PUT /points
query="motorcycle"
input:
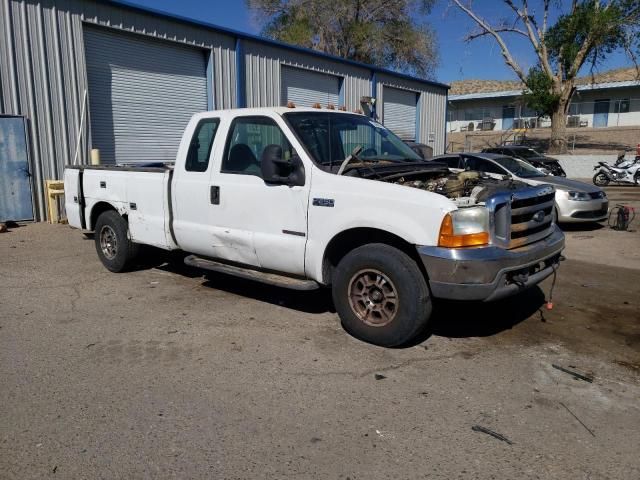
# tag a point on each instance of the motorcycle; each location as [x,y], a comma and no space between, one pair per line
[624,171]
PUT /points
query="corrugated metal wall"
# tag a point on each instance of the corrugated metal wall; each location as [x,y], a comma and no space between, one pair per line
[432,106]
[43,75]
[43,72]
[263,74]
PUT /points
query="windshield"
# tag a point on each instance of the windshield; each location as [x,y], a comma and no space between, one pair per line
[528,153]
[518,167]
[331,137]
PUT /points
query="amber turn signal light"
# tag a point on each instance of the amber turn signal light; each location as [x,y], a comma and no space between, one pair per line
[447,238]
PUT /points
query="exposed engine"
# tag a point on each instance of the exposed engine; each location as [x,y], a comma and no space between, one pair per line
[464,188]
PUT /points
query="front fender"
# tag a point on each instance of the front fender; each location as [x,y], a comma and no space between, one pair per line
[341,203]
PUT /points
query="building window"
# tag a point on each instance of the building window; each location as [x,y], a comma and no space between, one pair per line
[574,109]
[477,114]
[621,106]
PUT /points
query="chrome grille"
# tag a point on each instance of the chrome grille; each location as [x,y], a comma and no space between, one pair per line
[531,218]
[522,217]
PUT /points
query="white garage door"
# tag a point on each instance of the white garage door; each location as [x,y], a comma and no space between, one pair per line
[305,87]
[399,114]
[142,93]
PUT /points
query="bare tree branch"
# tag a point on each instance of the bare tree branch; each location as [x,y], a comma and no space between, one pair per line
[472,36]
[508,58]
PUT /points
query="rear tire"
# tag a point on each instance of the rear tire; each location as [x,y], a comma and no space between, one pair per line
[381,295]
[600,180]
[113,244]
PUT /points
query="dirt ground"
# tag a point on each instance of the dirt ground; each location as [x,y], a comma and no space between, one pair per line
[166,373]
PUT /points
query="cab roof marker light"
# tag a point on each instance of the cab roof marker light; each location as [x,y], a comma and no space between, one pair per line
[290,104]
[317,105]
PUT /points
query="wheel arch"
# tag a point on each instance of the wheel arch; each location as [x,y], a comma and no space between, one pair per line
[98,209]
[347,240]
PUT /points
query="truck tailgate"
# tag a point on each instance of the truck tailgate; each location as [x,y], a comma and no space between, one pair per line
[72,197]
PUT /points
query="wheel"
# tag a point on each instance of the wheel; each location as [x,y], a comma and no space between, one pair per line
[600,179]
[114,247]
[381,295]
[636,178]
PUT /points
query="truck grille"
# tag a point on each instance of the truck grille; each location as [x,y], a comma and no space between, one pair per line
[531,219]
[522,217]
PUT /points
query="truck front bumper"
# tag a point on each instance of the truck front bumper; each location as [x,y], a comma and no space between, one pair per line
[490,273]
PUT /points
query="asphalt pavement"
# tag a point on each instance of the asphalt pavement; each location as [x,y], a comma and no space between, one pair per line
[168,373]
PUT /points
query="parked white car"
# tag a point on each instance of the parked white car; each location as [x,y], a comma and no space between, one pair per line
[574,201]
[303,198]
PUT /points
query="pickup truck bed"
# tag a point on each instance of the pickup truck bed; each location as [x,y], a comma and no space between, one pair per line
[141,193]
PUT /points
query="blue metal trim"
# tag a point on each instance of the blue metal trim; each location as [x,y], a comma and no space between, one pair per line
[241,86]
[446,121]
[341,95]
[374,94]
[211,96]
[418,111]
[245,36]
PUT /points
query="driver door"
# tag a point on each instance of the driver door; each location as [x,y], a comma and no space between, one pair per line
[258,224]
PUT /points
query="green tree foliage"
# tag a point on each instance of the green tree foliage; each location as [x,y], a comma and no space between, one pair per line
[388,33]
[539,95]
[585,32]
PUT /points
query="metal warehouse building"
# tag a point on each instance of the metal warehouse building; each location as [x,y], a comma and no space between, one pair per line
[80,75]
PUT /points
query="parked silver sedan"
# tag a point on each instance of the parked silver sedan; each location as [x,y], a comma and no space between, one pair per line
[575,201]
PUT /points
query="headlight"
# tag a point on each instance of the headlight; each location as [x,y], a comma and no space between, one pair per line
[465,228]
[580,196]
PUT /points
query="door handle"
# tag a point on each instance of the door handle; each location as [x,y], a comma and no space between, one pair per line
[214,195]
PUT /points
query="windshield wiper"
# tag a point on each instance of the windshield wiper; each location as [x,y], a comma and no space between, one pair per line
[354,154]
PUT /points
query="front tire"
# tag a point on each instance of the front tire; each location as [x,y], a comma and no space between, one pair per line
[115,249]
[381,295]
[636,178]
[600,179]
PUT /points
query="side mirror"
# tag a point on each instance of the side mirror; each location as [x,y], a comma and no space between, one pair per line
[277,170]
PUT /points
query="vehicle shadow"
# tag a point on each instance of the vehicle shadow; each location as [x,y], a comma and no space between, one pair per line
[480,319]
[582,227]
[450,319]
[314,301]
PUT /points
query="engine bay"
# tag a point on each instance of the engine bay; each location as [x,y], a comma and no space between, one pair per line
[467,188]
[464,189]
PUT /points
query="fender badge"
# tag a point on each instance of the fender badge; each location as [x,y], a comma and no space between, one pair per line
[323,202]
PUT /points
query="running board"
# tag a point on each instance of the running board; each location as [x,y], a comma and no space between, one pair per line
[250,274]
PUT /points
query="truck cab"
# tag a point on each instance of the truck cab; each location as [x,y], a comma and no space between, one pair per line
[308,198]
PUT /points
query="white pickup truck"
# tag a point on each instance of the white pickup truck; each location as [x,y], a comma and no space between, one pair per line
[304,198]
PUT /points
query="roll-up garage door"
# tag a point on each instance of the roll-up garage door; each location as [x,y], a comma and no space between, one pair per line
[142,93]
[399,114]
[305,87]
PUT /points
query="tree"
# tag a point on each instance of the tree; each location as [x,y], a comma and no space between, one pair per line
[387,33]
[585,32]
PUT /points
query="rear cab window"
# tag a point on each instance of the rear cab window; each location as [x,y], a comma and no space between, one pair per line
[199,152]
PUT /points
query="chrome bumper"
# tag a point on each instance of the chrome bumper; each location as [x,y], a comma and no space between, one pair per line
[490,273]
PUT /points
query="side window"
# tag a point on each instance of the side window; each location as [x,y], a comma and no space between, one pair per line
[248,138]
[452,161]
[481,165]
[200,146]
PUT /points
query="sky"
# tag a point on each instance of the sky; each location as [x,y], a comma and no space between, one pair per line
[480,59]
